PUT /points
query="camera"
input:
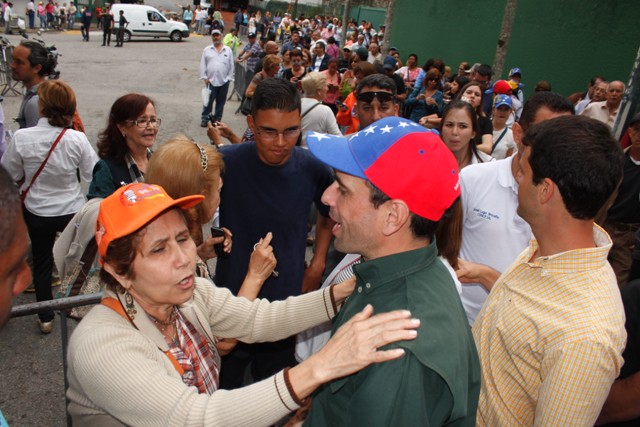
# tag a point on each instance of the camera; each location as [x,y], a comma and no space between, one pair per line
[212,119]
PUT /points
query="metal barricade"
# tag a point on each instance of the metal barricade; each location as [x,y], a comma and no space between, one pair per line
[239,83]
[62,305]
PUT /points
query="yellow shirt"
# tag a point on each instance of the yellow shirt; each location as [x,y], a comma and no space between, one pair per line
[550,338]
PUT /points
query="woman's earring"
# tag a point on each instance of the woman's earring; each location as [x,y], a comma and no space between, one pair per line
[131,308]
[124,135]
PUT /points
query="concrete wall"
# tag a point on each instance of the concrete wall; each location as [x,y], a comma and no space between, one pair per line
[563,41]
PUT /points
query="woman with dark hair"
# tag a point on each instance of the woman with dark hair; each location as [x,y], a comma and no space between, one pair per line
[454,88]
[125,145]
[428,100]
[48,159]
[410,72]
[296,73]
[458,128]
[473,93]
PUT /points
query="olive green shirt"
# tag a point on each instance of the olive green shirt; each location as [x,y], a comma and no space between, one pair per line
[437,381]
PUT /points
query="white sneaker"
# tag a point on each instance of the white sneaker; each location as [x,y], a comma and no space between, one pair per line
[45,327]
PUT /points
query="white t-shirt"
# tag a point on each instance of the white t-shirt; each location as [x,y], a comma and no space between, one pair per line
[493,233]
[506,142]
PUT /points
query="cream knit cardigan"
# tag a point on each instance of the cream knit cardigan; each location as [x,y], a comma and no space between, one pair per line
[119,375]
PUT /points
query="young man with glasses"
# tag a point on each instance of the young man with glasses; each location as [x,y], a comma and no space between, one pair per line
[217,69]
[269,185]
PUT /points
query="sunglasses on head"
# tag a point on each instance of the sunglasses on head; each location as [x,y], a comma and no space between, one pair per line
[381,96]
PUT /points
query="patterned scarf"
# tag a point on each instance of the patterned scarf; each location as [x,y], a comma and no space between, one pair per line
[199,360]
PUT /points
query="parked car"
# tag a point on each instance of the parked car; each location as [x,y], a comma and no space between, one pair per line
[147,21]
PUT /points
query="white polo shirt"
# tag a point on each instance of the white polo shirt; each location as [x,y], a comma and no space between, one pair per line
[493,233]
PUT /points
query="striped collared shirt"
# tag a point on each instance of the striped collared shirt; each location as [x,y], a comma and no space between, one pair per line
[550,338]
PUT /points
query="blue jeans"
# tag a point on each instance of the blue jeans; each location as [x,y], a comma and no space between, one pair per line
[219,94]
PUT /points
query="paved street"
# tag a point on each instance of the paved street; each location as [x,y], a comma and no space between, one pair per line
[31,379]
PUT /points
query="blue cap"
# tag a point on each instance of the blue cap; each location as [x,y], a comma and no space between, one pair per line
[501,100]
[403,159]
[515,70]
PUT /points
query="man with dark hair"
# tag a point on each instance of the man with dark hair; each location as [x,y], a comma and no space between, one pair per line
[376,99]
[270,185]
[292,44]
[551,332]
[107,22]
[15,274]
[30,65]
[493,234]
[319,60]
[394,182]
[482,74]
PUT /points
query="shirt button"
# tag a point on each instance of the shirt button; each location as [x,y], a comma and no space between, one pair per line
[368,285]
[359,289]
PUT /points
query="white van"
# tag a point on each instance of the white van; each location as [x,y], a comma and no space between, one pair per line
[147,21]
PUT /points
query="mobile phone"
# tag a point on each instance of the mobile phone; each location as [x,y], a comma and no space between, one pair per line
[219,247]
[212,119]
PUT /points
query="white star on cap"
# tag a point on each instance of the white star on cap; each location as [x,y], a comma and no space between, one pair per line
[403,124]
[414,124]
[319,136]
[386,129]
[370,129]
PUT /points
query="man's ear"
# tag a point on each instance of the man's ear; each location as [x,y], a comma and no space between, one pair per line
[397,214]
[518,132]
[124,281]
[547,190]
[251,124]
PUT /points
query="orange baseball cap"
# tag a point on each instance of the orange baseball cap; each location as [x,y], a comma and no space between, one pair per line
[132,207]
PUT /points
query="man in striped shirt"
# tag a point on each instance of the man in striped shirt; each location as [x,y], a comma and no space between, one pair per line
[551,333]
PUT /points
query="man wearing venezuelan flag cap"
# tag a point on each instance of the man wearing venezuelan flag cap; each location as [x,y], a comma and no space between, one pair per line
[394,182]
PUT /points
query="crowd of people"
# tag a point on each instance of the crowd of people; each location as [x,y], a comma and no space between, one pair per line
[492,233]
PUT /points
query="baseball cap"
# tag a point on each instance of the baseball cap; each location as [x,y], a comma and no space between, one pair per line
[502,87]
[131,207]
[401,158]
[215,32]
[501,100]
[251,35]
[389,63]
[514,71]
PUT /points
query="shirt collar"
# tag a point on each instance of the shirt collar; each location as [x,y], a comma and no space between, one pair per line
[505,176]
[379,271]
[575,260]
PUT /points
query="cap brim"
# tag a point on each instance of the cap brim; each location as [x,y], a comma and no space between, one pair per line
[334,151]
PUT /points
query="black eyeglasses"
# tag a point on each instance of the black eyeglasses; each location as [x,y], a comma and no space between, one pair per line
[368,97]
[432,79]
[270,135]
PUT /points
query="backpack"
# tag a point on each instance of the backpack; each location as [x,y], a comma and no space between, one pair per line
[215,25]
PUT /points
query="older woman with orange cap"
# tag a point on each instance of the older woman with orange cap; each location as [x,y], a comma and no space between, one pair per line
[145,355]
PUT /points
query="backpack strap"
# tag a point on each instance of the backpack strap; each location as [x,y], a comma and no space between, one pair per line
[116,306]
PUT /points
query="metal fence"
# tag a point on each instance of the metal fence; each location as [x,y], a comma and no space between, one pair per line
[61,305]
